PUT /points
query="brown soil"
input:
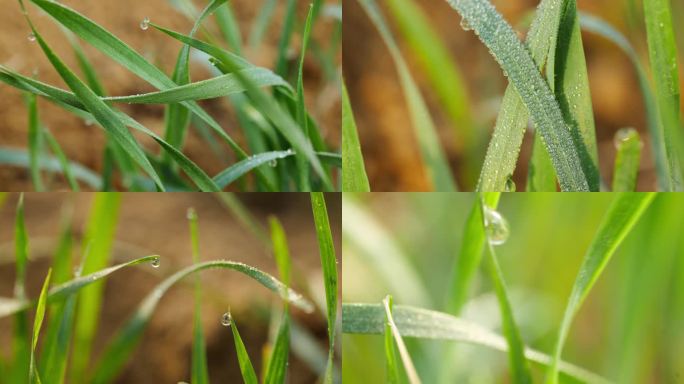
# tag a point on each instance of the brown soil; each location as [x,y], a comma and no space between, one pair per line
[156,223]
[387,138]
[83,143]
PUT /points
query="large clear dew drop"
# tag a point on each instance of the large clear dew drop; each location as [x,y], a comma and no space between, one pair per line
[496,227]
[226,319]
[145,24]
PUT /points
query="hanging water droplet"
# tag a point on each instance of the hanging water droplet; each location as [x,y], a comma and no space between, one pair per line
[510,184]
[191,215]
[466,25]
[32,37]
[156,262]
[496,227]
[145,24]
[226,319]
[623,135]
[273,163]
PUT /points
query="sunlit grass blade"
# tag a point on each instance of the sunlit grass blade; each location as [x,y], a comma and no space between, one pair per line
[246,368]
[662,52]
[34,142]
[403,352]
[241,168]
[412,322]
[199,370]
[621,217]
[354,178]
[516,349]
[34,376]
[469,255]
[626,160]
[20,344]
[99,235]
[594,24]
[276,371]
[101,111]
[125,340]
[20,158]
[329,264]
[441,71]
[62,291]
[434,158]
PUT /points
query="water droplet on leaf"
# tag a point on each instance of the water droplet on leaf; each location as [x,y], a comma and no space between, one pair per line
[156,262]
[145,24]
[466,25]
[496,227]
[31,37]
[273,163]
[510,184]
[226,319]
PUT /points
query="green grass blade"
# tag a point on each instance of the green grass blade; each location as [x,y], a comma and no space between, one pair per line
[623,213]
[246,368]
[20,158]
[280,249]
[329,264]
[434,159]
[199,370]
[34,376]
[541,177]
[20,342]
[64,162]
[662,52]
[120,348]
[229,27]
[100,231]
[276,371]
[469,255]
[354,178]
[101,111]
[391,365]
[594,24]
[285,36]
[62,291]
[572,90]
[441,70]
[34,142]
[403,352]
[241,168]
[358,318]
[262,22]
[626,160]
[516,349]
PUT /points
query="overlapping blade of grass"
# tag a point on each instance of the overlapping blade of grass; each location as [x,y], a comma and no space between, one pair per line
[469,255]
[329,264]
[441,71]
[394,335]
[354,178]
[20,346]
[662,52]
[34,142]
[626,160]
[391,365]
[358,318]
[110,45]
[62,291]
[276,371]
[541,177]
[621,217]
[567,69]
[64,162]
[199,370]
[246,368]
[70,102]
[100,110]
[504,147]
[594,24]
[239,169]
[434,159]
[99,235]
[523,72]
[34,376]
[516,349]
[126,339]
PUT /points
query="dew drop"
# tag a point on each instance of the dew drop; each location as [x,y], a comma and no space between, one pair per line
[510,184]
[273,163]
[226,319]
[31,37]
[156,262]
[466,25]
[624,135]
[145,24]
[496,227]
[192,214]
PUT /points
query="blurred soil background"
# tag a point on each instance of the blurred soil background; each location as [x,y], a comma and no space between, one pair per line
[387,139]
[151,223]
[85,143]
